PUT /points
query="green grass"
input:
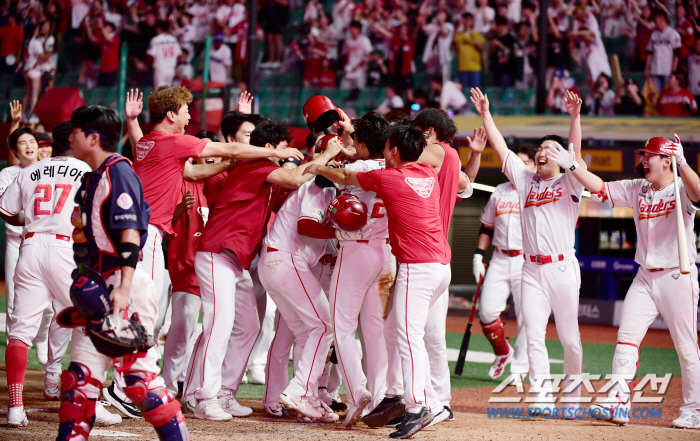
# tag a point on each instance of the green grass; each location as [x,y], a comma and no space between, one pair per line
[597,359]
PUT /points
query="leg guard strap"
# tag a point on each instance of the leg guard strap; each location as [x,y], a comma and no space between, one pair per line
[496,335]
[157,406]
[79,392]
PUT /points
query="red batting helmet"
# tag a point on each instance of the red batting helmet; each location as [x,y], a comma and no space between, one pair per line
[320,113]
[347,212]
[322,142]
[653,146]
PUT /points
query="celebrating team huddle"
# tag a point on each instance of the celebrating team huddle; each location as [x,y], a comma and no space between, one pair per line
[352,240]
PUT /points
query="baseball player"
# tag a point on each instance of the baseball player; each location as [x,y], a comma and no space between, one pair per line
[549,201]
[500,226]
[227,248]
[658,288]
[110,226]
[362,279]
[23,142]
[41,199]
[412,203]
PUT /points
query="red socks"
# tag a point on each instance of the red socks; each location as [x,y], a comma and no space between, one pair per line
[16,357]
[496,336]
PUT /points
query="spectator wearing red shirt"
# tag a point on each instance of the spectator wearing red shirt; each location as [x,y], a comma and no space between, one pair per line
[676,100]
[684,26]
[411,195]
[327,79]
[105,37]
[402,49]
[316,52]
[11,39]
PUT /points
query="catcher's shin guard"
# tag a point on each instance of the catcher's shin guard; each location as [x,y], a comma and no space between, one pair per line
[157,406]
[79,392]
[496,336]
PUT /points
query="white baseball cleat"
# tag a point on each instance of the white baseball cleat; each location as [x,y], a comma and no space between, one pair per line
[211,410]
[324,396]
[613,409]
[441,416]
[500,363]
[105,417]
[42,352]
[16,417]
[355,412]
[302,406]
[257,375]
[276,410]
[687,421]
[52,386]
[327,414]
[232,407]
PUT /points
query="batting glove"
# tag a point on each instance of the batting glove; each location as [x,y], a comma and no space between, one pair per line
[675,149]
[478,267]
[563,157]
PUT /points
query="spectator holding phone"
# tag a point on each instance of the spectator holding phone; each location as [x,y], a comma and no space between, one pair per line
[629,100]
[676,100]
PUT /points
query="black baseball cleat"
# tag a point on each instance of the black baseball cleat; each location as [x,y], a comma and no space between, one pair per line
[452,415]
[413,423]
[180,386]
[128,409]
[387,410]
[338,406]
[396,422]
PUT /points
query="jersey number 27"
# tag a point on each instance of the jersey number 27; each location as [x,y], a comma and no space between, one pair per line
[46,192]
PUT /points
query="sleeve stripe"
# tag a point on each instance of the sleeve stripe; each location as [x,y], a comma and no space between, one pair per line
[7,212]
[503,168]
[607,191]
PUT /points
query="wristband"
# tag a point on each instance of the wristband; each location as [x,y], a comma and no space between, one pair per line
[574,166]
[128,254]
[479,251]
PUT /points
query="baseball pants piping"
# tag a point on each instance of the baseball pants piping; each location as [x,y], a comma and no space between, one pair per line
[178,345]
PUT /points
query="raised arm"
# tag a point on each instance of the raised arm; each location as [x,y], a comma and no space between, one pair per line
[477,145]
[296,177]
[690,179]
[132,110]
[341,176]
[238,150]
[566,160]
[573,106]
[481,102]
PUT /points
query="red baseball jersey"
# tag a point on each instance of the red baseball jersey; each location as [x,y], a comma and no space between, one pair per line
[212,187]
[412,201]
[448,179]
[183,246]
[238,221]
[160,164]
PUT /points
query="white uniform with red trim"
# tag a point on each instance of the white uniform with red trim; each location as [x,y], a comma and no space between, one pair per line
[502,215]
[551,275]
[360,287]
[285,271]
[45,191]
[659,287]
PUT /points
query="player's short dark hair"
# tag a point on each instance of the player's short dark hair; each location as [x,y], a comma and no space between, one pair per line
[101,121]
[527,149]
[231,123]
[440,121]
[394,116]
[408,140]
[560,139]
[14,137]
[61,132]
[311,139]
[207,134]
[269,132]
[370,130]
[256,119]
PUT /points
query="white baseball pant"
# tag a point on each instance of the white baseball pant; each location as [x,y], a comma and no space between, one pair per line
[418,286]
[503,278]
[58,338]
[222,281]
[436,347]
[258,356]
[331,378]
[277,372]
[178,345]
[360,287]
[552,287]
[165,309]
[675,297]
[153,258]
[304,307]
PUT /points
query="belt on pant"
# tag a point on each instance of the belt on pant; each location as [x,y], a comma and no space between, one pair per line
[542,259]
[653,270]
[58,236]
[328,259]
[271,250]
[367,241]
[511,253]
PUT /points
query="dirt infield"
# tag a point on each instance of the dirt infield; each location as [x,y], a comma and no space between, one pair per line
[475,425]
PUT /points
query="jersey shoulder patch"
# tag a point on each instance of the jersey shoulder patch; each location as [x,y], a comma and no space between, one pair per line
[422,186]
[124,201]
[142,149]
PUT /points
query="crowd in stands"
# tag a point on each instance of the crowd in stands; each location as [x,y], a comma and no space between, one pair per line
[354,44]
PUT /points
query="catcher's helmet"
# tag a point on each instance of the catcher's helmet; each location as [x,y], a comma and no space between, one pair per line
[90,294]
[653,146]
[347,212]
[322,142]
[319,113]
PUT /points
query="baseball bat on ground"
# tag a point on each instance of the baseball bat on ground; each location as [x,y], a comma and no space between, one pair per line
[459,368]
[682,242]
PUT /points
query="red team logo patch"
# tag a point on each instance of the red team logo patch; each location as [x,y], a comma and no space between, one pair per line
[142,149]
[422,186]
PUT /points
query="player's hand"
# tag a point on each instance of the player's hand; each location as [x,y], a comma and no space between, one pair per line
[312,169]
[188,200]
[245,103]
[480,101]
[345,122]
[289,152]
[349,235]
[573,103]
[120,298]
[15,110]
[478,143]
[478,267]
[675,149]
[333,148]
[134,104]
[565,158]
